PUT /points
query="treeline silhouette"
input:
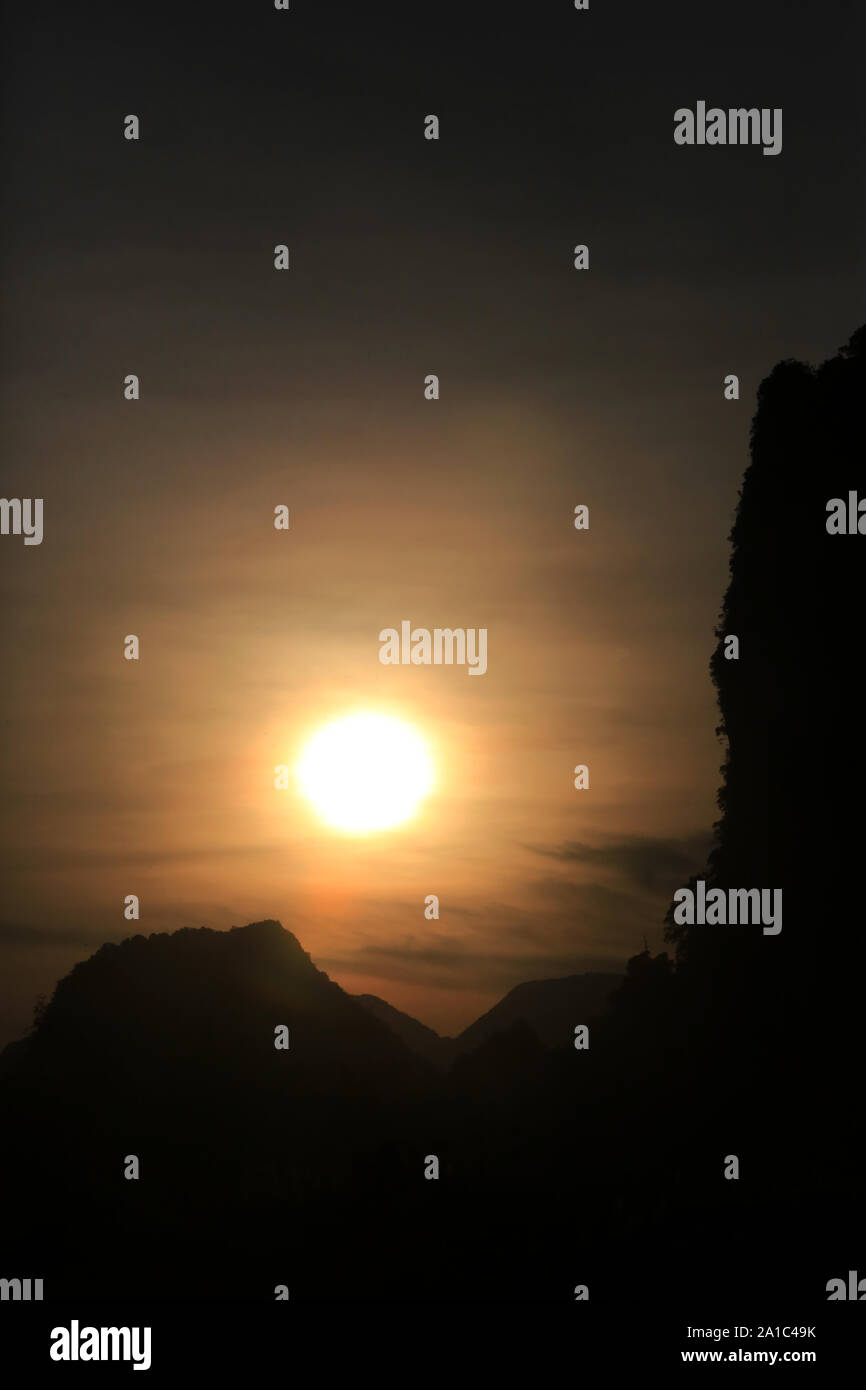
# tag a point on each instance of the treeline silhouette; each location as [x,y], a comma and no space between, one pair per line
[558,1167]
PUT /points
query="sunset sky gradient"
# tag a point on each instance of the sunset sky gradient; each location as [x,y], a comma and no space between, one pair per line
[306,388]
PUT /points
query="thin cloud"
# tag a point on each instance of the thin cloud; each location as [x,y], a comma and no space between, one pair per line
[649,864]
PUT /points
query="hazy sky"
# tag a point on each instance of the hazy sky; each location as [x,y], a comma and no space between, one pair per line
[558,387]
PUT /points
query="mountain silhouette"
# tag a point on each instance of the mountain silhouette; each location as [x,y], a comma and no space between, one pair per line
[202,1000]
[164,1048]
[423,1040]
[551,1008]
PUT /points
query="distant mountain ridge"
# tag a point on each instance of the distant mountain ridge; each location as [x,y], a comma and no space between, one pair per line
[550,1008]
[417,1036]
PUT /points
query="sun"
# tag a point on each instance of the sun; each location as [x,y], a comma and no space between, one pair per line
[365,772]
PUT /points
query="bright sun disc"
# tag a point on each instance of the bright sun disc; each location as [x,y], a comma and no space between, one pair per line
[366,772]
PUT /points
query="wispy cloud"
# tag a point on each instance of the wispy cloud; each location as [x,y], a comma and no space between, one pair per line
[647,863]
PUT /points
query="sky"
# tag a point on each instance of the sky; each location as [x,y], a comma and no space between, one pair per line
[306,388]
